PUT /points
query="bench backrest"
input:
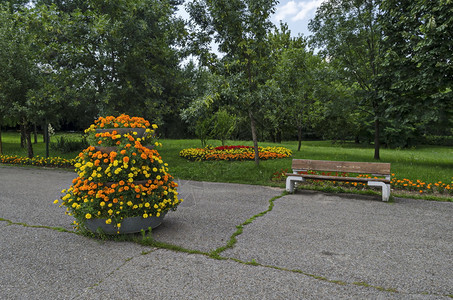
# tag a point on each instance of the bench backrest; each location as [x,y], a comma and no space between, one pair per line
[341,166]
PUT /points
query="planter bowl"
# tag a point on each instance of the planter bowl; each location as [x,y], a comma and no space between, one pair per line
[128,225]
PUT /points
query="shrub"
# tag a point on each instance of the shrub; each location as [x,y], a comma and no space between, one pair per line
[65,145]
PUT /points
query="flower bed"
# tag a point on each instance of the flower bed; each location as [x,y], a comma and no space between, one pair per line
[53,162]
[395,183]
[122,177]
[234,153]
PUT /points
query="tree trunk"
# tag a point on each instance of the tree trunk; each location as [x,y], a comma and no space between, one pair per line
[377,144]
[46,137]
[35,134]
[27,131]
[22,136]
[279,136]
[254,137]
[299,137]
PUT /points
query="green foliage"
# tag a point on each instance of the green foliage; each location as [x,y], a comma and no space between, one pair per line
[67,145]
[224,125]
[241,30]
[203,130]
[349,35]
[110,57]
[417,75]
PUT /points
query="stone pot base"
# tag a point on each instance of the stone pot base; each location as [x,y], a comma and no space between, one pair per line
[129,225]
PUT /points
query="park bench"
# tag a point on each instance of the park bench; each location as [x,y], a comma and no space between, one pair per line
[375,169]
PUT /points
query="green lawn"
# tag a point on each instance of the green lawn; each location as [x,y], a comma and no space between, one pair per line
[426,163]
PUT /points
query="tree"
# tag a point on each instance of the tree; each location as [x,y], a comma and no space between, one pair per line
[300,76]
[224,125]
[349,35]
[240,27]
[417,73]
[111,57]
[19,73]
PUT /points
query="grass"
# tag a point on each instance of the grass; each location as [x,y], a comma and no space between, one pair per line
[11,145]
[425,163]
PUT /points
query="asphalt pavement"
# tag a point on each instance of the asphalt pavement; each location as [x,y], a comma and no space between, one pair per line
[308,245]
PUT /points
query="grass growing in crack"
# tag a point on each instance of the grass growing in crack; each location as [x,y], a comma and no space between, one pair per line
[361,283]
[240,228]
[60,229]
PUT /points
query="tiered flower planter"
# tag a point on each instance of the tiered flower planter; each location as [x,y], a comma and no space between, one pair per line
[123,185]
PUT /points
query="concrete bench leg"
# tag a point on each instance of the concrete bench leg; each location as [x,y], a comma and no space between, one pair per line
[385,189]
[290,182]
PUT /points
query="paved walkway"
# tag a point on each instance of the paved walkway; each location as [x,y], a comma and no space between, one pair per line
[307,246]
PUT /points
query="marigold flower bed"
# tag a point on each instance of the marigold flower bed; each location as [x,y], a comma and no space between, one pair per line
[234,153]
[53,162]
[404,184]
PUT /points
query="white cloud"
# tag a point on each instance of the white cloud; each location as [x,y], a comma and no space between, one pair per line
[297,10]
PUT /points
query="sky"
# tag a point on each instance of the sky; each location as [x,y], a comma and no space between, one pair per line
[295,13]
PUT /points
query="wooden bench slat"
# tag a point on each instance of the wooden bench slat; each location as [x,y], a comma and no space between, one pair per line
[341,166]
[338,178]
[380,169]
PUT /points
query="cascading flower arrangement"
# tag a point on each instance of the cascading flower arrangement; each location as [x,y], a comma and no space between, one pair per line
[123,176]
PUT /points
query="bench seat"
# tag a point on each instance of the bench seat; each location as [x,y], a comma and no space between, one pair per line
[376,169]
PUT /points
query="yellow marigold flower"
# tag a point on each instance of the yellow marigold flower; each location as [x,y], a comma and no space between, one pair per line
[145,216]
[129,203]
[88,216]
[118,225]
[147,204]
[108,221]
[55,202]
[155,206]
[102,204]
[154,126]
